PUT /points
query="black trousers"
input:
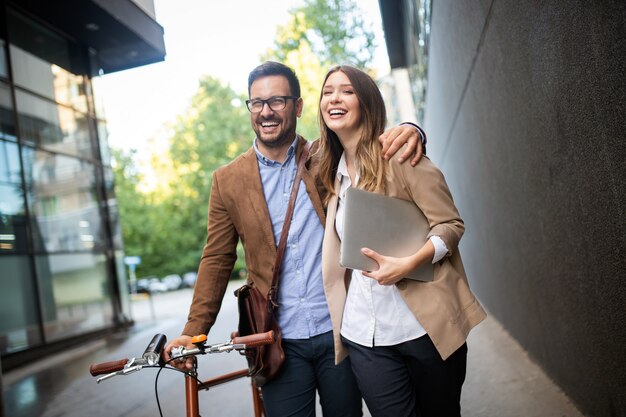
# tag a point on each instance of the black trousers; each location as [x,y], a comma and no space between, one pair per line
[310,366]
[409,379]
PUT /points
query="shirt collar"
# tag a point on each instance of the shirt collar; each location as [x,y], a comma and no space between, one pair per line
[343,176]
[269,162]
[342,168]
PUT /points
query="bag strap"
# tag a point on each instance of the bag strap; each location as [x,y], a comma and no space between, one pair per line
[272,295]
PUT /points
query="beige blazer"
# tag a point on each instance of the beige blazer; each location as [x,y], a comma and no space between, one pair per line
[238,211]
[445,307]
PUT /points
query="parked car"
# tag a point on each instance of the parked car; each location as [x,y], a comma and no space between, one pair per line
[142,285]
[173,282]
[156,286]
[189,279]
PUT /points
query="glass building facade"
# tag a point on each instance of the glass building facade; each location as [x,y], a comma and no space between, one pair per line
[407,35]
[61,251]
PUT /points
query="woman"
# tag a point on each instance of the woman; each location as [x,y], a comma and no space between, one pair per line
[406,339]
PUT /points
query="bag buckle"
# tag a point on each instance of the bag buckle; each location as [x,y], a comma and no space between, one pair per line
[272,304]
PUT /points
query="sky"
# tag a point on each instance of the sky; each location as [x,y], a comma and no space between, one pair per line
[202,37]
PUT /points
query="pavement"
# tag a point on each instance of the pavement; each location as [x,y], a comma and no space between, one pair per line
[502,381]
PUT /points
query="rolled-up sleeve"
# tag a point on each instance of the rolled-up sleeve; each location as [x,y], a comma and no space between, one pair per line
[428,189]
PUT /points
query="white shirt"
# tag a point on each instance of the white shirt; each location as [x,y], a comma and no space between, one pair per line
[374,314]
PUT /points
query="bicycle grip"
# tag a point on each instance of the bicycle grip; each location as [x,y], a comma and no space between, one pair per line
[107,367]
[257,339]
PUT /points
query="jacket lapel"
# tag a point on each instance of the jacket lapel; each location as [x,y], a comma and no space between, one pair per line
[331,245]
[309,183]
[251,179]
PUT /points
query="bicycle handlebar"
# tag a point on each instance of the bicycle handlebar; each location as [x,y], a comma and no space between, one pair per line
[107,367]
[236,343]
[255,340]
[126,366]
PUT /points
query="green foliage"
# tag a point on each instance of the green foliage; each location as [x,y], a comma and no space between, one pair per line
[165,223]
[135,210]
[163,207]
[319,35]
[214,131]
[335,29]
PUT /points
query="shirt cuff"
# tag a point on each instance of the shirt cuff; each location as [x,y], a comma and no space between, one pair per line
[440,248]
[420,131]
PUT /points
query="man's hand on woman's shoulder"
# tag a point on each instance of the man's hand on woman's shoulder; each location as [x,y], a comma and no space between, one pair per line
[394,138]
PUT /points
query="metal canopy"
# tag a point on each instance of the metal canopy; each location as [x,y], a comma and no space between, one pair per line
[118,33]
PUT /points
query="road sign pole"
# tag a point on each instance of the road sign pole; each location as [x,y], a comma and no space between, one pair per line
[132,262]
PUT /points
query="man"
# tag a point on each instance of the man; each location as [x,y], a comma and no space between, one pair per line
[249,198]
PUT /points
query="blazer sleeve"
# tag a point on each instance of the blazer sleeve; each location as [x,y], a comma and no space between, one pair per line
[427,187]
[216,264]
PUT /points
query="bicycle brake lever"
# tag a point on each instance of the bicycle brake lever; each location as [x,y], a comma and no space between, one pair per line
[102,378]
[222,347]
[180,353]
[227,347]
[134,365]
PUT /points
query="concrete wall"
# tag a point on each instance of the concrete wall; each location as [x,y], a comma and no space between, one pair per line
[526,116]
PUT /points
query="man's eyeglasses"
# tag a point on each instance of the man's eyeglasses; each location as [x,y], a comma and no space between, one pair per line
[275,103]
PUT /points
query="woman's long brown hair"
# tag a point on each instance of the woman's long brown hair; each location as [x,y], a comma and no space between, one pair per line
[368,154]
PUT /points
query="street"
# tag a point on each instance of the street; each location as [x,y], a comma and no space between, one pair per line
[63,386]
[501,380]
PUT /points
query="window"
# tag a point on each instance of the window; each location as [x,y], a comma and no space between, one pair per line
[74,294]
[12,216]
[3,60]
[40,47]
[58,263]
[53,126]
[64,210]
[19,327]
[7,116]
[417,20]
[103,136]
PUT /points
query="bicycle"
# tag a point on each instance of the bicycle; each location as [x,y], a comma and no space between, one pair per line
[151,358]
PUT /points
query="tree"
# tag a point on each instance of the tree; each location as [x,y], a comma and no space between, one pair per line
[164,221]
[334,30]
[318,35]
[168,216]
[133,204]
[214,130]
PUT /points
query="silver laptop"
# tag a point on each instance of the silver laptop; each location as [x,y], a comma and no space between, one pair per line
[390,226]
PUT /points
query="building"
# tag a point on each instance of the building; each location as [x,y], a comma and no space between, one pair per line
[524,110]
[61,253]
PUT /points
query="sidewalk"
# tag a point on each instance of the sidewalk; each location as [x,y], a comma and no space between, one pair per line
[501,380]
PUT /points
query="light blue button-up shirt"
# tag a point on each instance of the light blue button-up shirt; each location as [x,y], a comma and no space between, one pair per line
[302,311]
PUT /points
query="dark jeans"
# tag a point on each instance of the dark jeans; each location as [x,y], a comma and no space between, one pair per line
[310,365]
[409,379]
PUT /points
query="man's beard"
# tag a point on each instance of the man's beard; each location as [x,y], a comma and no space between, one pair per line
[276,142]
